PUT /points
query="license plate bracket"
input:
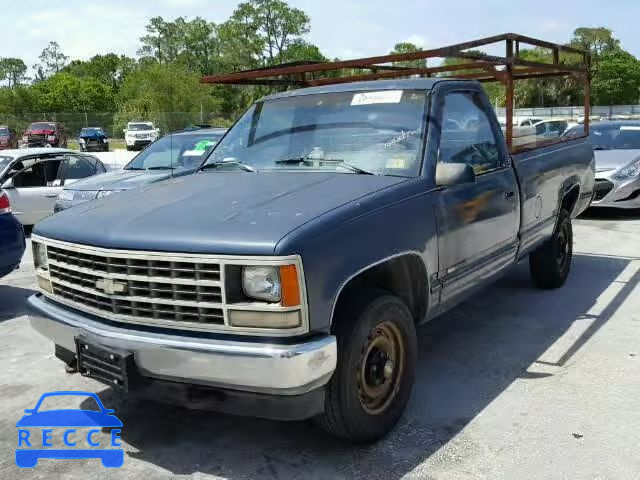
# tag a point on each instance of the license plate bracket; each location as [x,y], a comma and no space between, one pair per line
[106,364]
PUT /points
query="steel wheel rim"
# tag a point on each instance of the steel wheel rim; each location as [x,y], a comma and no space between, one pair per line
[380,368]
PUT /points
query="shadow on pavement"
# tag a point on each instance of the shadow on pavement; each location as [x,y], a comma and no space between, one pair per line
[467,358]
[13,301]
[606,213]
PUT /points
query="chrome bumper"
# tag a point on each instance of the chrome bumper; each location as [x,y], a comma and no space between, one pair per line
[246,366]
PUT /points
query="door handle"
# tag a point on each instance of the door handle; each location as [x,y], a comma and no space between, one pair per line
[509,195]
[51,195]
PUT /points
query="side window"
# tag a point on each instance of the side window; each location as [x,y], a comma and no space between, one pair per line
[31,177]
[53,170]
[78,167]
[466,135]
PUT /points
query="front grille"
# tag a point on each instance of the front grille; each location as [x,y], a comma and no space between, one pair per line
[134,288]
[601,189]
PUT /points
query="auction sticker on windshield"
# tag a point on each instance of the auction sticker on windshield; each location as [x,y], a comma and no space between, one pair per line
[69,433]
[381,96]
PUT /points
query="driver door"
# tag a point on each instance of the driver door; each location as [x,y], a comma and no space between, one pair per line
[35,189]
[477,222]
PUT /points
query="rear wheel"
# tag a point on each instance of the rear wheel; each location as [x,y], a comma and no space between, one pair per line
[377,351]
[551,262]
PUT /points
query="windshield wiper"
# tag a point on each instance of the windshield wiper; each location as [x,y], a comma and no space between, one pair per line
[159,168]
[338,163]
[135,168]
[237,163]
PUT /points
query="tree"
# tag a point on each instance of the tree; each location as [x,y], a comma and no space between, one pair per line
[13,70]
[53,61]
[596,40]
[63,92]
[260,31]
[407,47]
[618,79]
[164,40]
[168,94]
[110,68]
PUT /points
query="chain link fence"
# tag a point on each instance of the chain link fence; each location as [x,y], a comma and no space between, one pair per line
[112,123]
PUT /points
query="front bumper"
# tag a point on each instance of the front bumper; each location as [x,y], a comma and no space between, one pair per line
[139,143]
[616,193]
[265,368]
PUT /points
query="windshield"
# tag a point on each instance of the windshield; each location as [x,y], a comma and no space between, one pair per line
[42,126]
[611,136]
[378,132]
[4,131]
[186,151]
[139,126]
[90,131]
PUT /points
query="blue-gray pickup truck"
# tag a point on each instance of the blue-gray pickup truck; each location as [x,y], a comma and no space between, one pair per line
[287,277]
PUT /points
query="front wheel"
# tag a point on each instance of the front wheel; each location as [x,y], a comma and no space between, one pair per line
[377,351]
[551,262]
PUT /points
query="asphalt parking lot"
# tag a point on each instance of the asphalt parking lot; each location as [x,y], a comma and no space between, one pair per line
[514,383]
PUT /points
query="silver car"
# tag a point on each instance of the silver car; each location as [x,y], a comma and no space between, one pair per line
[616,146]
[33,178]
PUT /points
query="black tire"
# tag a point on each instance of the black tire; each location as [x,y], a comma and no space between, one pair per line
[349,413]
[129,148]
[105,147]
[551,262]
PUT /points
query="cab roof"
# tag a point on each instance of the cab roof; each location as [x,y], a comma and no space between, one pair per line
[395,84]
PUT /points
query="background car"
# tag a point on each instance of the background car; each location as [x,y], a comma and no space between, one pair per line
[551,128]
[33,178]
[12,242]
[174,155]
[138,135]
[8,138]
[93,139]
[616,146]
[44,134]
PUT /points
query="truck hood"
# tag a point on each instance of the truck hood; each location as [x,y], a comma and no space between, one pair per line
[214,212]
[614,159]
[121,180]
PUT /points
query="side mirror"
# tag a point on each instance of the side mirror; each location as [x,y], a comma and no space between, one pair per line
[124,130]
[8,184]
[449,174]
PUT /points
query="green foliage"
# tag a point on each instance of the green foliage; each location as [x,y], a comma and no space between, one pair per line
[13,70]
[618,79]
[407,47]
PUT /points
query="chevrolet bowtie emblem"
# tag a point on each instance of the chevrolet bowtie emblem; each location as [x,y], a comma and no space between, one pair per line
[110,286]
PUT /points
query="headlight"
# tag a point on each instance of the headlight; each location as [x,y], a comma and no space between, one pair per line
[66,195]
[262,283]
[106,193]
[81,140]
[77,195]
[630,171]
[40,259]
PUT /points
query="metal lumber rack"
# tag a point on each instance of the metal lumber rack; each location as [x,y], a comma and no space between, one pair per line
[479,66]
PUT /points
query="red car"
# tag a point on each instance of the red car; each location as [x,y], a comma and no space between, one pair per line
[44,134]
[8,138]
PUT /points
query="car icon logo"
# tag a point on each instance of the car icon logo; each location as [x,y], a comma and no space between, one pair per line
[35,430]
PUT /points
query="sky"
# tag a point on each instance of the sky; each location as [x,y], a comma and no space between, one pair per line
[341,28]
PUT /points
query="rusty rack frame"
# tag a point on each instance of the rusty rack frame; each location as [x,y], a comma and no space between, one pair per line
[480,66]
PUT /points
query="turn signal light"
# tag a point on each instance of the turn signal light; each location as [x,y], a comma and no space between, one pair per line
[290,286]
